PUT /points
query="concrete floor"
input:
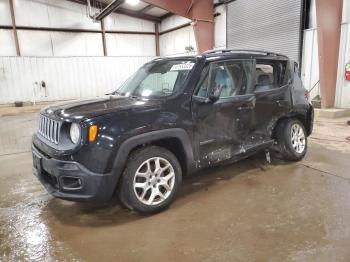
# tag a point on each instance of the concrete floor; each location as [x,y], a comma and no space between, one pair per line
[248,211]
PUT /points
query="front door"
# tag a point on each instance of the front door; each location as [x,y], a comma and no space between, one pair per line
[221,127]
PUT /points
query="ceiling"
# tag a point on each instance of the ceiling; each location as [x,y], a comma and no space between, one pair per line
[141,7]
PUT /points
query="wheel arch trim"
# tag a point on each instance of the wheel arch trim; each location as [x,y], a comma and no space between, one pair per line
[131,143]
[306,117]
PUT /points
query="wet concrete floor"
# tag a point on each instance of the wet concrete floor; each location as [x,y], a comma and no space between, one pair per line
[248,211]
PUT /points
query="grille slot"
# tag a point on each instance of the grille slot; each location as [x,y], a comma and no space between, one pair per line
[49,129]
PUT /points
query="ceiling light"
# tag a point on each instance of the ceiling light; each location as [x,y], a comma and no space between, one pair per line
[132,2]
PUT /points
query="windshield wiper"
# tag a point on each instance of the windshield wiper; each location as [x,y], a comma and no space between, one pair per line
[116,93]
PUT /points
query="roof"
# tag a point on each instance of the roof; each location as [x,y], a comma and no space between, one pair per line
[241,53]
[142,8]
[231,53]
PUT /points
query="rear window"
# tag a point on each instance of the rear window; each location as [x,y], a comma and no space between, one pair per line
[270,74]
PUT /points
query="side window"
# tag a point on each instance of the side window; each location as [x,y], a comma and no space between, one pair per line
[270,74]
[204,84]
[234,77]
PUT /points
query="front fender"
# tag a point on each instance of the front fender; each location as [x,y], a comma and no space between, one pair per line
[129,144]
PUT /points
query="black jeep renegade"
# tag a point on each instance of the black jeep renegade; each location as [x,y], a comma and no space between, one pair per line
[172,117]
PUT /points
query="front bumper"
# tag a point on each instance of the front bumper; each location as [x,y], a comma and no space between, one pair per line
[70,180]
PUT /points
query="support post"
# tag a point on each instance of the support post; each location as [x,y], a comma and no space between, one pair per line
[14,29]
[156,25]
[103,31]
[329,16]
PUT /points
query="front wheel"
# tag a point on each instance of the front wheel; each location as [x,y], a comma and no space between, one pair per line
[151,179]
[291,139]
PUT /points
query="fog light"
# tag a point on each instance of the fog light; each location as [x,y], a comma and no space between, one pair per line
[71,183]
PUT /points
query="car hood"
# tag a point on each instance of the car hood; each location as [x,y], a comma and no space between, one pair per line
[88,108]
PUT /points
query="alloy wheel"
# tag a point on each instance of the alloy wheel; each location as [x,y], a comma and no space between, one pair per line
[298,138]
[154,181]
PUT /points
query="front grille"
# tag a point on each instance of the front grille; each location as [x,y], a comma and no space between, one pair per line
[49,129]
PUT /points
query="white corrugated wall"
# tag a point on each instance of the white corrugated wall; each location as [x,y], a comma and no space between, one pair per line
[64,77]
[310,68]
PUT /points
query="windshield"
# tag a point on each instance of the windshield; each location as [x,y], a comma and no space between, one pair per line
[157,79]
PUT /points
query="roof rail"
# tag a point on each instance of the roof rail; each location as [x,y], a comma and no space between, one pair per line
[263,52]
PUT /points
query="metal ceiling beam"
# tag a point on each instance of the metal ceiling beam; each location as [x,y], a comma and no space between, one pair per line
[201,12]
[137,14]
[108,9]
[178,7]
[145,9]
[166,16]
[122,11]
[76,30]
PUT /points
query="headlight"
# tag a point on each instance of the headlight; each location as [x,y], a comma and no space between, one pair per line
[74,133]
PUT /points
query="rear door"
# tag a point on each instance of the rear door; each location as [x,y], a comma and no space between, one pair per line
[221,127]
[272,93]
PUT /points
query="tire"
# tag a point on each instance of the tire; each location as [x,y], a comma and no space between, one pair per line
[291,148]
[142,180]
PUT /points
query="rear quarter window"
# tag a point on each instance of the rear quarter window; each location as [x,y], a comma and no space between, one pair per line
[270,74]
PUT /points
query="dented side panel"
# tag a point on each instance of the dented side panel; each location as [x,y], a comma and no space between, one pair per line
[229,129]
[271,106]
[220,129]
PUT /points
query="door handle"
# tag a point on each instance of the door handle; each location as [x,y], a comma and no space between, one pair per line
[245,107]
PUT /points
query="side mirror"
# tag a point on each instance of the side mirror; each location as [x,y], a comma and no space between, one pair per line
[215,93]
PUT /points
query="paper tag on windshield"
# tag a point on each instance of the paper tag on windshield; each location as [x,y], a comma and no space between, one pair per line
[178,67]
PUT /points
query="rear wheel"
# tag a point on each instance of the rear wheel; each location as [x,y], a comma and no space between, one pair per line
[151,179]
[291,139]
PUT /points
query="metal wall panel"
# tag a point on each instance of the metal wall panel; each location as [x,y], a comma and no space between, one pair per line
[41,43]
[5,15]
[52,13]
[310,67]
[35,43]
[136,45]
[127,23]
[220,28]
[76,44]
[174,43]
[346,11]
[7,42]
[65,14]
[312,15]
[65,77]
[272,25]
[31,13]
[69,15]
[173,21]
